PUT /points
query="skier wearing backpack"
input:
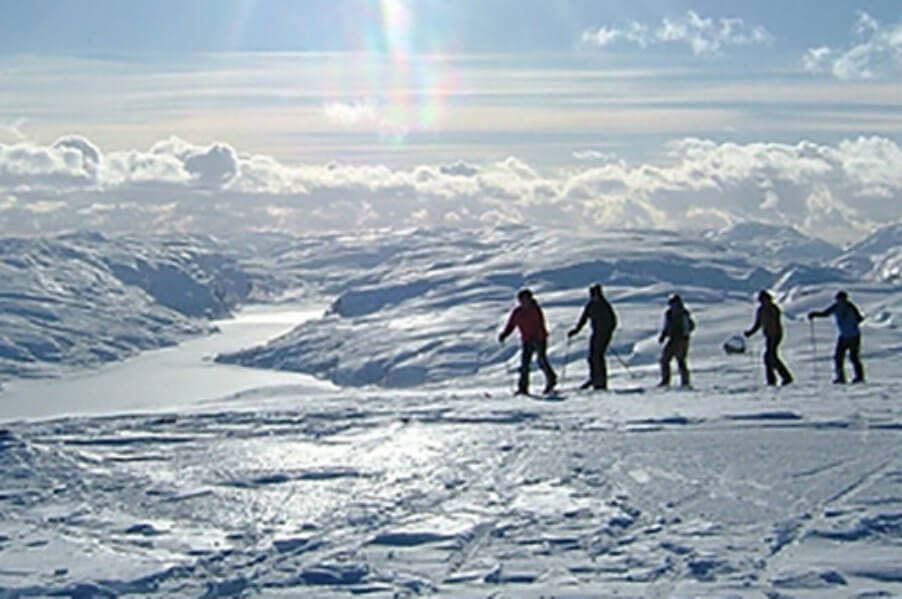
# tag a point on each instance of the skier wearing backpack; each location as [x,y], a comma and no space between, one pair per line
[678,325]
[847,319]
[767,318]
[529,319]
[599,311]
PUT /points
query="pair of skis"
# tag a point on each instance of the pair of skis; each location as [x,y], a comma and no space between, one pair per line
[562,394]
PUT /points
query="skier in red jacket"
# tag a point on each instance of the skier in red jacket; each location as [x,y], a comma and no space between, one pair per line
[529,319]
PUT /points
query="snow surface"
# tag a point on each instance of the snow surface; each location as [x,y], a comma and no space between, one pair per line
[419,474]
[170,378]
[80,300]
[424,307]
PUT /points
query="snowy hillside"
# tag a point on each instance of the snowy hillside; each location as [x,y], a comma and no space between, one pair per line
[425,303]
[778,244]
[730,491]
[424,307]
[83,299]
[420,474]
[879,252]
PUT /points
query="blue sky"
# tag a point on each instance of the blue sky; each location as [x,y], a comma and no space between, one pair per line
[45,26]
[572,91]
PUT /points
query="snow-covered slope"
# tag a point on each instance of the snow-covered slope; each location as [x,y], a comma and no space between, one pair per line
[735,492]
[82,299]
[423,303]
[880,241]
[878,256]
[450,487]
[425,306]
[777,244]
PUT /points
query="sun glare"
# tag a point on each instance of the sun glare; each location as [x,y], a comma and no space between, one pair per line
[414,83]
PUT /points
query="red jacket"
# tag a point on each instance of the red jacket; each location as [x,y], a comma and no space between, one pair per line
[530,320]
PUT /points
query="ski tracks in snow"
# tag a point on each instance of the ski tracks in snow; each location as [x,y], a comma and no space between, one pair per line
[455,494]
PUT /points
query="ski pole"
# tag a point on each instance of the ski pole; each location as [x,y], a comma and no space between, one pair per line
[566,356]
[813,349]
[752,355]
[622,363]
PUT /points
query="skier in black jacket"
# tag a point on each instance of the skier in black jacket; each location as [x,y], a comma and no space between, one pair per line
[678,325]
[599,311]
[767,318]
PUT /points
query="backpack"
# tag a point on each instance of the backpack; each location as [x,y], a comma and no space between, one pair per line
[687,323]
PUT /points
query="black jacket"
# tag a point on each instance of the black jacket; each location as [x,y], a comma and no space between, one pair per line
[678,323]
[768,318]
[602,316]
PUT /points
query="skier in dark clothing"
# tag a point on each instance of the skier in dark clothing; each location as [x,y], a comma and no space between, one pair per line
[604,321]
[847,318]
[678,326]
[768,320]
[530,320]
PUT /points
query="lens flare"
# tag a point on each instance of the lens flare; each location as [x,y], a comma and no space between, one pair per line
[396,28]
[390,59]
[414,77]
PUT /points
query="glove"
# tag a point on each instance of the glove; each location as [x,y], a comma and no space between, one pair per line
[500,338]
[747,334]
[572,332]
[812,315]
[661,339]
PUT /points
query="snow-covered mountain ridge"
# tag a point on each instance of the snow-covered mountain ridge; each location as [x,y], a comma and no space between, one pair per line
[421,307]
[424,303]
[83,299]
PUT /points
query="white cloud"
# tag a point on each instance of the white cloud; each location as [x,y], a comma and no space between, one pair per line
[136,166]
[351,113]
[871,161]
[876,54]
[8,202]
[74,160]
[25,163]
[817,59]
[771,201]
[702,35]
[866,24]
[592,154]
[601,37]
[44,206]
[211,166]
[828,216]
[387,120]
[91,156]
[710,218]
[823,188]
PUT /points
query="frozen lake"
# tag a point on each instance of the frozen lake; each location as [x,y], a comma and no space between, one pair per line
[166,378]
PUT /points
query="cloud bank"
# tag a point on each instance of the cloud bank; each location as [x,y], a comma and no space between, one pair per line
[876,54]
[835,191]
[702,35]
